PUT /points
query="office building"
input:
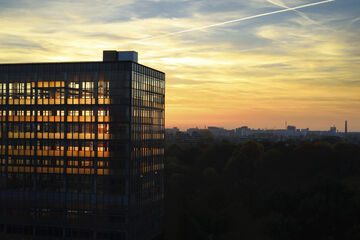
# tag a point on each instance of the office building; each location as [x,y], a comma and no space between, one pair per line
[82,149]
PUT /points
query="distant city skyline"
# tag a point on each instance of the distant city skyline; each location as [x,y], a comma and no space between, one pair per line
[298,66]
[338,129]
[194,136]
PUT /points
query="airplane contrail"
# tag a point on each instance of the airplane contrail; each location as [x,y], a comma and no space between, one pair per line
[233,21]
[279,3]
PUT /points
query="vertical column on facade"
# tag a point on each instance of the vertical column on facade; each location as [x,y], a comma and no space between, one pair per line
[131,134]
[65,157]
[6,130]
[95,89]
[65,141]
[35,131]
[130,161]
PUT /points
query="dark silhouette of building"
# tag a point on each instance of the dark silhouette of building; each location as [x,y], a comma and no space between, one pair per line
[346,128]
[291,128]
[82,149]
[332,130]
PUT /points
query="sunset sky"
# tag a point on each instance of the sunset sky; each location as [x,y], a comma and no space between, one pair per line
[301,66]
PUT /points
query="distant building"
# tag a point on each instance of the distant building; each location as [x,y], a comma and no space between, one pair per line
[172,131]
[333,130]
[242,131]
[346,128]
[221,132]
[291,128]
[291,131]
[191,131]
[305,131]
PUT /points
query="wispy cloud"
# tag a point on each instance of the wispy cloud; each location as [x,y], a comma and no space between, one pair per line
[283,5]
[236,20]
[18,42]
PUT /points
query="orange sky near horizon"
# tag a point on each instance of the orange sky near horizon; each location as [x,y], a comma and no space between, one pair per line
[300,67]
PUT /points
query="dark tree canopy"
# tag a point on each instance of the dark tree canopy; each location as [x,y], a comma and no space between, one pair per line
[263,191]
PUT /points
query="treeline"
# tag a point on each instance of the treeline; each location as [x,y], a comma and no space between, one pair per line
[263,191]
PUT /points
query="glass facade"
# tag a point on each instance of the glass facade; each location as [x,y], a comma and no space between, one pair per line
[82,150]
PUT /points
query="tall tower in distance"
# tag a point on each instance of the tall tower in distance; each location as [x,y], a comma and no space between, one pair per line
[346,127]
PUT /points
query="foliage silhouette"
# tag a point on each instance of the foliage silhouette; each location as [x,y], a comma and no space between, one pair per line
[263,191]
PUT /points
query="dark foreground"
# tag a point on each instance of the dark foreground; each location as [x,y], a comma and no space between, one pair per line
[263,191]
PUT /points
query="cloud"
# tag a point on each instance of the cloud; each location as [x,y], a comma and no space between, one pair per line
[283,5]
[247,18]
[18,42]
[355,20]
[259,71]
